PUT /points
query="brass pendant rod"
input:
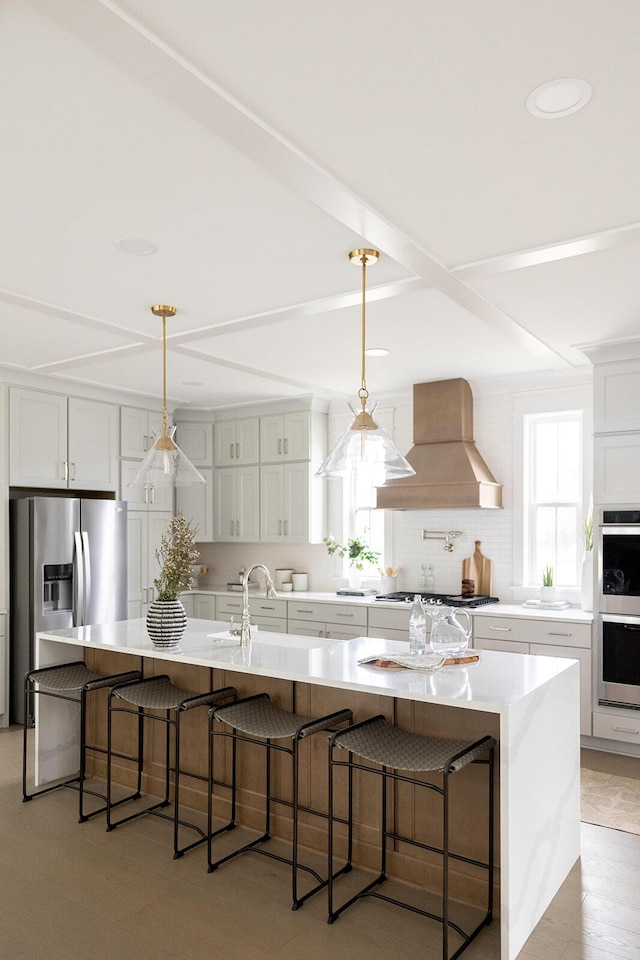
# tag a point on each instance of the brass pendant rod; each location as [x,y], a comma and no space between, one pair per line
[363,389]
[165,418]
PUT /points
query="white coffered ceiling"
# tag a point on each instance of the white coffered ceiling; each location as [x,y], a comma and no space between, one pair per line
[254,144]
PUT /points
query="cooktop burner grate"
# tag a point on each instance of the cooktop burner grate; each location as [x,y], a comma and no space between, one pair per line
[406,596]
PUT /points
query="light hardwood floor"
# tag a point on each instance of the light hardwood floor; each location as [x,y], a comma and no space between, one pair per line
[74,891]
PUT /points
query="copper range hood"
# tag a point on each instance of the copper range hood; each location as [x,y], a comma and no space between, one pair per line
[449,469]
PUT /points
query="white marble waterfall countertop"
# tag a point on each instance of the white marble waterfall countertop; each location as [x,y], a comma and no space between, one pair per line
[492,684]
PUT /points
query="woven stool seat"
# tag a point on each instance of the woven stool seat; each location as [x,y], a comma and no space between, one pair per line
[72,682]
[261,722]
[389,746]
[170,701]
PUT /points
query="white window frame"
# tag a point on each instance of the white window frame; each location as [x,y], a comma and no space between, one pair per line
[554,399]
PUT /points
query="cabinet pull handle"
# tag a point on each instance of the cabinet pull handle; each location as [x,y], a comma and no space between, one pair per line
[237,528]
[231,448]
[286,446]
[231,527]
[625,730]
[321,633]
[265,607]
[145,443]
[279,528]
[344,614]
[279,445]
[302,610]
[286,527]
[65,470]
[501,629]
[630,626]
[144,596]
[327,634]
[152,591]
[152,491]
[551,633]
[237,451]
[74,471]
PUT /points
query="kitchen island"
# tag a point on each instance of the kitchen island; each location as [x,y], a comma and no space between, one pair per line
[530,704]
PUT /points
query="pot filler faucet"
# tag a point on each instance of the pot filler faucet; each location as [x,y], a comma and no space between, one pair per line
[245,627]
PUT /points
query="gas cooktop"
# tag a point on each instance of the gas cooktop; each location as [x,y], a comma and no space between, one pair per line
[406,596]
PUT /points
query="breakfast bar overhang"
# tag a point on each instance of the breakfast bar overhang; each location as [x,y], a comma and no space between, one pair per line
[532,703]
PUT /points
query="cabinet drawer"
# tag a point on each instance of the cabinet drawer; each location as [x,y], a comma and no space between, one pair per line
[227,604]
[393,619]
[270,624]
[263,607]
[502,645]
[346,613]
[617,728]
[306,628]
[389,633]
[533,631]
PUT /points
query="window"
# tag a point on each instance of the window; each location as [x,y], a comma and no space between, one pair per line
[366,521]
[553,498]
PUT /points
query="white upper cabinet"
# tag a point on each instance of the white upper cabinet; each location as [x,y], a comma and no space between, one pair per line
[195,502]
[143,496]
[62,443]
[138,429]
[285,437]
[237,504]
[237,442]
[291,503]
[196,442]
[616,395]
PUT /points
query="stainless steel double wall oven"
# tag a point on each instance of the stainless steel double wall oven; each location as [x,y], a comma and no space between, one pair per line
[619,605]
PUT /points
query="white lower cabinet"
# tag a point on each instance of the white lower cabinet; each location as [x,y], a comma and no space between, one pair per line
[200,606]
[271,615]
[610,726]
[391,624]
[545,638]
[144,531]
[237,504]
[335,621]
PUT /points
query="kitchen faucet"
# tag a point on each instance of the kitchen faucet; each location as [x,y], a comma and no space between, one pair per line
[245,627]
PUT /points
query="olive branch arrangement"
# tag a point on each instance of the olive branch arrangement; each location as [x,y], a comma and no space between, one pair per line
[176,555]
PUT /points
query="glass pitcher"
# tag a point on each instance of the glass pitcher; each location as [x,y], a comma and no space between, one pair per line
[448,636]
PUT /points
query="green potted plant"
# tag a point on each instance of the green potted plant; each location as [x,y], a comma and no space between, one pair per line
[358,553]
[166,616]
[547,590]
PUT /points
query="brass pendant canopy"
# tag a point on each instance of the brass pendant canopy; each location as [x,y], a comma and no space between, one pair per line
[365,446]
[165,462]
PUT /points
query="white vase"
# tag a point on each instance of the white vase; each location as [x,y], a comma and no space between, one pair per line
[586,582]
[355,578]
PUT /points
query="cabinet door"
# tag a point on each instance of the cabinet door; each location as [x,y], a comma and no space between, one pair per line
[204,607]
[38,439]
[272,439]
[296,435]
[247,440]
[224,434]
[502,646]
[271,624]
[337,631]
[305,628]
[195,502]
[187,601]
[617,469]
[134,430]
[136,562]
[225,504]
[93,445]
[296,502]
[196,442]
[616,396]
[157,526]
[248,503]
[272,503]
[584,656]
[134,494]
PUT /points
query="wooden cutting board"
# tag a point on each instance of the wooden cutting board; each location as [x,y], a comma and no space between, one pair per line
[479,569]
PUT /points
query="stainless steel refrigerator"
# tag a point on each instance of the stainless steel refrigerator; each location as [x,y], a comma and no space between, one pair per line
[68,564]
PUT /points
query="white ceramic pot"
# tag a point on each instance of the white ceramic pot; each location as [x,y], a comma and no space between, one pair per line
[548,594]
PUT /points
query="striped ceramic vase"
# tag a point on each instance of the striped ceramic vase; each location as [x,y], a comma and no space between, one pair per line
[166,622]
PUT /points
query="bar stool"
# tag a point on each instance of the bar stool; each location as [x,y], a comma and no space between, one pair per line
[160,694]
[72,682]
[261,722]
[394,749]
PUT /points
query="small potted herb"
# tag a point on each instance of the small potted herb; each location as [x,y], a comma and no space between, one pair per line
[547,590]
[166,617]
[357,551]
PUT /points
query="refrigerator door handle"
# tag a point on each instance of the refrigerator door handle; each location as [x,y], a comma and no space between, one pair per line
[87,575]
[79,607]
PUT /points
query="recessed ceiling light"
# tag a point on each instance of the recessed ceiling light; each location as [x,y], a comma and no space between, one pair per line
[136,246]
[376,351]
[559,98]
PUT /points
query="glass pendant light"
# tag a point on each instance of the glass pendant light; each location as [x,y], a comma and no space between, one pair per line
[165,462]
[365,447]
